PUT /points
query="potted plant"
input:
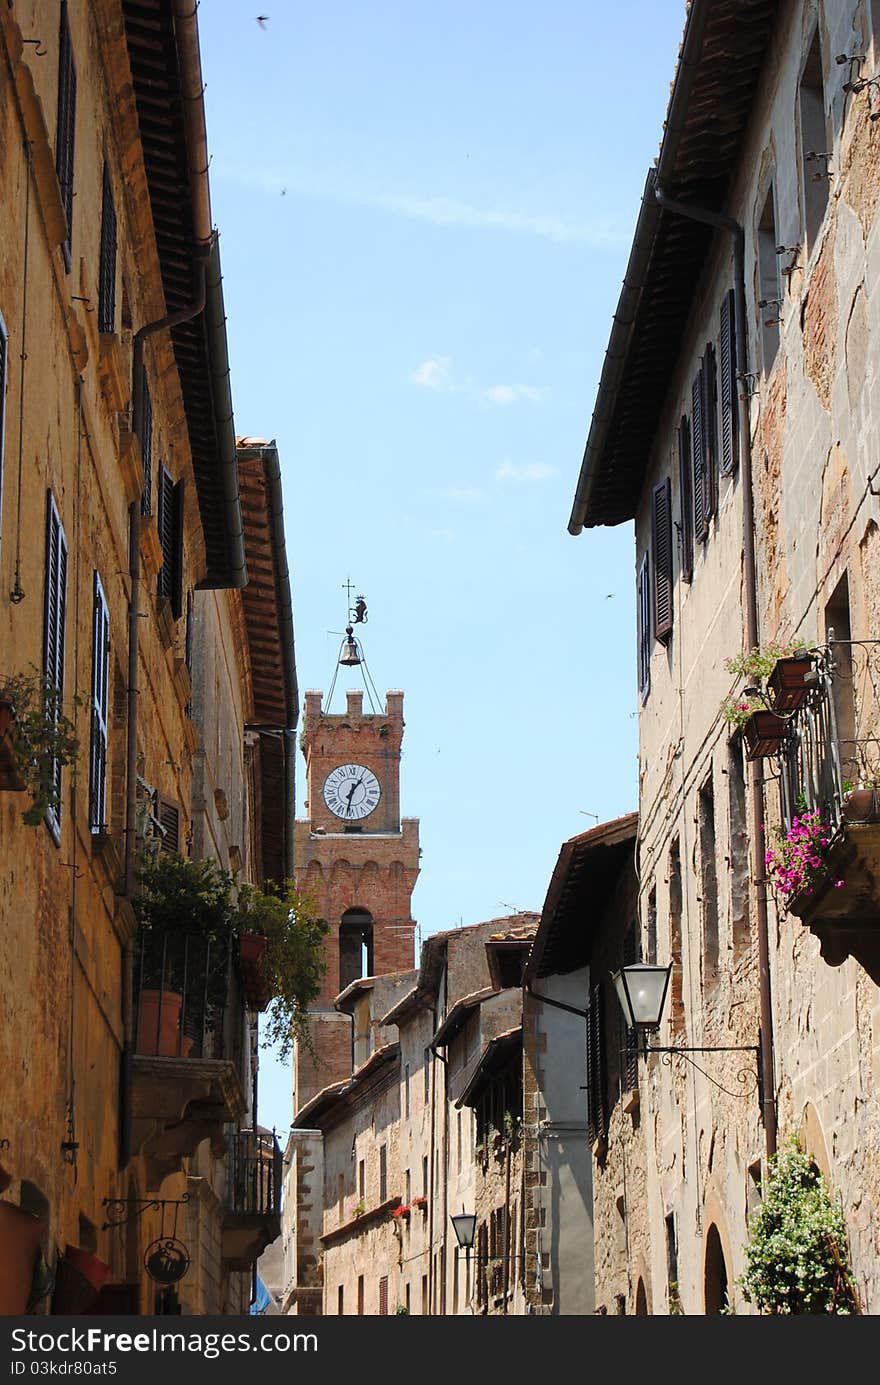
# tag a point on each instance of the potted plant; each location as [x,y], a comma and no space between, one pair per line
[185,911]
[797,1259]
[402,1213]
[36,739]
[291,964]
[799,859]
[420,1202]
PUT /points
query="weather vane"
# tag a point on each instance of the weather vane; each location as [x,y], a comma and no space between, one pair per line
[357,614]
[351,654]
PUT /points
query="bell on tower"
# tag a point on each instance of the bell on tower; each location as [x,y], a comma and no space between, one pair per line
[351,654]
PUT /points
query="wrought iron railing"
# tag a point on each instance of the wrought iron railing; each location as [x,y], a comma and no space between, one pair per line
[254,1173]
[832,743]
[188,997]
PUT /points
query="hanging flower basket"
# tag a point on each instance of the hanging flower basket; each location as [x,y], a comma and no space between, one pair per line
[763,734]
[402,1212]
[255,981]
[420,1203]
[789,682]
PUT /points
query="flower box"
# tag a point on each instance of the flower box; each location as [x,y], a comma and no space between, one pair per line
[420,1203]
[789,682]
[763,734]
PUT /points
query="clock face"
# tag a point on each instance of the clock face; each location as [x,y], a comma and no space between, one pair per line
[351,792]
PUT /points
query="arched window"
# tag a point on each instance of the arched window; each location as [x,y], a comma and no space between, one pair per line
[355,946]
[715,1274]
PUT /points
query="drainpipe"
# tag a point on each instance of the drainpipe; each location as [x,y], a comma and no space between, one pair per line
[735,230]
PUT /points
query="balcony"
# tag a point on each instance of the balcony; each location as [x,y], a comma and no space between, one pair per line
[830,749]
[186,1074]
[252,1217]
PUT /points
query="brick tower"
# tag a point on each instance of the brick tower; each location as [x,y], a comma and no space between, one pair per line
[359,860]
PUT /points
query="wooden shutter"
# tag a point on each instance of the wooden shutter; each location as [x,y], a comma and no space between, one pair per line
[168,815]
[383,1297]
[100,707]
[661,541]
[107,266]
[4,357]
[630,1044]
[710,430]
[729,413]
[169,502]
[597,1083]
[643,610]
[698,459]
[146,442]
[66,125]
[685,500]
[53,630]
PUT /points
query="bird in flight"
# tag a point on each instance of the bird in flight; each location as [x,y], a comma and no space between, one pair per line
[262,20]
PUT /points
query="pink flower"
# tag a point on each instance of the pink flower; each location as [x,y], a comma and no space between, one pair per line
[839,884]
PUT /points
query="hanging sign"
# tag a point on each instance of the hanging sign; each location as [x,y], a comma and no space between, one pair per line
[166,1260]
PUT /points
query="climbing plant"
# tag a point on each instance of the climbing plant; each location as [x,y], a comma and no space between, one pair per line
[796,1258]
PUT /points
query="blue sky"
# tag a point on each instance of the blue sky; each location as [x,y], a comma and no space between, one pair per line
[425,215]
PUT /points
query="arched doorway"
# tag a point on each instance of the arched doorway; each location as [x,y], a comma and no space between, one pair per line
[715,1280]
[641,1299]
[355,946]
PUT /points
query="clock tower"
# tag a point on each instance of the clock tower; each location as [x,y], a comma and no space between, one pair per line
[359,860]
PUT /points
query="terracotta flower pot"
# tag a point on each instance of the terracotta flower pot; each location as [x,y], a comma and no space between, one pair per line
[862,805]
[788,683]
[20,1234]
[158,1030]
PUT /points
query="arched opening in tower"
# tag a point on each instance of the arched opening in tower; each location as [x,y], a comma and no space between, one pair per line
[355,946]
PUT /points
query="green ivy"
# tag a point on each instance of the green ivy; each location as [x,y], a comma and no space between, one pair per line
[797,1258]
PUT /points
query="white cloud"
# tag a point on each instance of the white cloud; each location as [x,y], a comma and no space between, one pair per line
[434,374]
[531,471]
[437,211]
[513,394]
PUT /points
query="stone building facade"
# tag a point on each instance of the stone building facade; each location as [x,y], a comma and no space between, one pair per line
[736,425]
[121,532]
[380,1159]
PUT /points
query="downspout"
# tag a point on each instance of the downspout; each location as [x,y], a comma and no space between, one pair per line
[186,38]
[735,230]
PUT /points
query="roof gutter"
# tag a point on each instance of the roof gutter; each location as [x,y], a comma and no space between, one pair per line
[636,270]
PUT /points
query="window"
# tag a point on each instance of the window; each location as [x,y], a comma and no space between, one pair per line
[643,605]
[100,700]
[651,928]
[188,648]
[107,265]
[708,880]
[685,500]
[458,1143]
[340,1300]
[360,1295]
[815,151]
[170,526]
[597,1086]
[146,441]
[383,1297]
[728,390]
[407,1181]
[661,544]
[629,1045]
[65,128]
[427,1073]
[383,1173]
[703,448]
[672,1290]
[424,1295]
[425,1175]
[676,989]
[362,1180]
[406,1091]
[168,815]
[53,636]
[738,844]
[769,287]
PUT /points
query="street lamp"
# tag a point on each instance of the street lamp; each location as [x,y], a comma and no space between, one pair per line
[641,989]
[464,1225]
